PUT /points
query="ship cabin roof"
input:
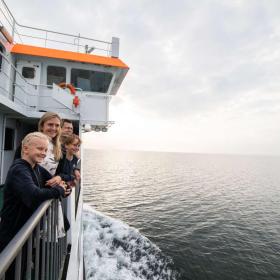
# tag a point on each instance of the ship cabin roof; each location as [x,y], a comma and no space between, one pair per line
[68,55]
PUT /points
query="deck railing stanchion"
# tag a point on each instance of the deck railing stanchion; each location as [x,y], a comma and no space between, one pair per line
[36,252]
[51,243]
[29,257]
[37,255]
[18,266]
[56,240]
[43,254]
[48,245]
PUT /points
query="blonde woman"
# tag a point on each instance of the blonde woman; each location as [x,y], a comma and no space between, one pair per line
[50,125]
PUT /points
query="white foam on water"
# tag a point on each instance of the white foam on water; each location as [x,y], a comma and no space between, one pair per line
[115,251]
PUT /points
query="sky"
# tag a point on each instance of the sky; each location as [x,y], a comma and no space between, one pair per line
[203,78]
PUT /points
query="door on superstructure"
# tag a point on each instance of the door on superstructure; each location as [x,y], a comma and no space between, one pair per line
[27,83]
[8,145]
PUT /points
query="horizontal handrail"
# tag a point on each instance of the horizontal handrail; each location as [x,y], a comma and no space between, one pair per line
[14,68]
[18,30]
[51,31]
[61,33]
[13,248]
[61,42]
[25,87]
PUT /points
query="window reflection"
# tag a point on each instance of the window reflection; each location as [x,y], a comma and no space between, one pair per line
[93,81]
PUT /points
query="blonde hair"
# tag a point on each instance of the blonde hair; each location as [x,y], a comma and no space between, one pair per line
[56,142]
[30,137]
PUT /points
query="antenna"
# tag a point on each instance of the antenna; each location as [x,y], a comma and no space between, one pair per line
[89,50]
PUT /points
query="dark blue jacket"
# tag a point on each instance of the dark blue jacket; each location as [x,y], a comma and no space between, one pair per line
[65,168]
[24,191]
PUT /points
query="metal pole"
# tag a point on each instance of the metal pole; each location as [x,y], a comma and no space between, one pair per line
[18,266]
[46,39]
[43,255]
[29,257]
[37,256]
[13,29]
[48,245]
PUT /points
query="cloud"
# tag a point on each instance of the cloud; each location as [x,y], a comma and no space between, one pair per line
[199,70]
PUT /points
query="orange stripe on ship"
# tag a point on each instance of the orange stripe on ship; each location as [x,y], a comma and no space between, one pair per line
[67,55]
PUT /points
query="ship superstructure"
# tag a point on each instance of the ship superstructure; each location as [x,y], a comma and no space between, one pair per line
[75,76]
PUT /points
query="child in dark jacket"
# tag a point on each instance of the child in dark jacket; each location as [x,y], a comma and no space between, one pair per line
[26,187]
[67,168]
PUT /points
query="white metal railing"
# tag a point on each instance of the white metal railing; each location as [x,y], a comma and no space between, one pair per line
[26,90]
[36,252]
[53,39]
[8,81]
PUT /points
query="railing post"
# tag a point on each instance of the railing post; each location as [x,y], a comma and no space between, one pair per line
[53,230]
[48,244]
[18,266]
[44,233]
[48,253]
[78,47]
[13,28]
[56,240]
[37,254]
[29,257]
[46,39]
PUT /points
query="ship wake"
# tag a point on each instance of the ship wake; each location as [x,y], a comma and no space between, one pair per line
[115,251]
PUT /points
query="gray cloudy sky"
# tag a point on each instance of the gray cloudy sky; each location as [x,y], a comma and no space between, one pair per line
[204,75]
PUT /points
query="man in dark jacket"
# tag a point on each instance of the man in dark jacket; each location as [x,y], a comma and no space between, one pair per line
[25,187]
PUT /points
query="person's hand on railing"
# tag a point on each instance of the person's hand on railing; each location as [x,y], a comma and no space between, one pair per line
[68,189]
[64,186]
[56,180]
[77,174]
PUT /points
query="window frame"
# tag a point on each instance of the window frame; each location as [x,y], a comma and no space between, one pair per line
[11,133]
[92,72]
[28,67]
[56,66]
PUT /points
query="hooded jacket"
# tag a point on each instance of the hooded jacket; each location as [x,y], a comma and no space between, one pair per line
[24,191]
[66,168]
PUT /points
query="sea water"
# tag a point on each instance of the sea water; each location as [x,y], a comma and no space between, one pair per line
[181,216]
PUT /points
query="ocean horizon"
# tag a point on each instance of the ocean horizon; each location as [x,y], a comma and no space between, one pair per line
[169,215]
[180,152]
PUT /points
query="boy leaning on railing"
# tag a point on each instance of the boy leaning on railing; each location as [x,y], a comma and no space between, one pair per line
[25,187]
[68,166]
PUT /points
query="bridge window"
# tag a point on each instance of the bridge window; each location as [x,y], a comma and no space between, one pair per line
[93,81]
[28,72]
[56,75]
